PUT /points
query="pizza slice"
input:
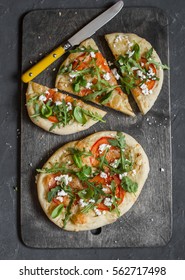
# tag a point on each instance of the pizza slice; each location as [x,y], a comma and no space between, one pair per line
[141,68]
[59,113]
[86,73]
[90,183]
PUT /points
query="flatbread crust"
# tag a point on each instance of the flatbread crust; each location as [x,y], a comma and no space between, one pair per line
[141,167]
[73,127]
[120,47]
[119,100]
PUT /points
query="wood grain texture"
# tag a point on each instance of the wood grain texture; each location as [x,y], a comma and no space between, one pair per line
[149,222]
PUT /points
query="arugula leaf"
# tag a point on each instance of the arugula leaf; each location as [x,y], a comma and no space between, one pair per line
[57,211]
[79,81]
[93,95]
[68,212]
[77,154]
[86,193]
[119,141]
[93,115]
[148,54]
[136,49]
[65,69]
[158,64]
[105,98]
[128,185]
[87,208]
[84,173]
[56,168]
[53,193]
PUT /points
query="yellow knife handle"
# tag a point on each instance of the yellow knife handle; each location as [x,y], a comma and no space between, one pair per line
[44,63]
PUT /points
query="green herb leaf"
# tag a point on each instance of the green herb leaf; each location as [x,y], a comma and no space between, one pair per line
[84,173]
[57,211]
[79,115]
[46,110]
[105,98]
[128,185]
[148,54]
[53,193]
[65,69]
[68,212]
[93,115]
[158,64]
[136,49]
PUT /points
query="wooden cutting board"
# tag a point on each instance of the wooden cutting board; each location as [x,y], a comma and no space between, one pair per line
[149,222]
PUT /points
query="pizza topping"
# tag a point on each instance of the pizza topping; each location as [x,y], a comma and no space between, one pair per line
[99,188]
[59,110]
[91,76]
[115,73]
[138,71]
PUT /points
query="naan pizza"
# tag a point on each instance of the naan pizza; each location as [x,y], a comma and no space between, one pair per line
[59,113]
[86,73]
[140,66]
[90,183]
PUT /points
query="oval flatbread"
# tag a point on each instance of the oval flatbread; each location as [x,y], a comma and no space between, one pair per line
[59,113]
[86,73]
[140,66]
[91,183]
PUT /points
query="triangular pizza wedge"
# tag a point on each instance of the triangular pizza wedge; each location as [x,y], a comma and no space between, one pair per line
[140,65]
[59,113]
[86,73]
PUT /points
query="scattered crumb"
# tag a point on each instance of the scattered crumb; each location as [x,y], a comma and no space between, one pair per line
[38,37]
[76,13]
[54,69]
[8,144]
[40,54]
[30,164]
[162,169]
[115,241]
[31,62]
[59,14]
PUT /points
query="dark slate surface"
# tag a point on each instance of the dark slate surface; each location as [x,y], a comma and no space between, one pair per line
[148,223]
[11,14]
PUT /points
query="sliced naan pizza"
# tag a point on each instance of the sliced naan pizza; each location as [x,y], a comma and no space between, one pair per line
[59,113]
[86,73]
[90,183]
[141,67]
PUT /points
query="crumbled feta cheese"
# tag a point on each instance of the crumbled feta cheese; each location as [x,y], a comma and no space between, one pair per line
[97,211]
[69,106]
[144,89]
[88,85]
[118,38]
[92,201]
[123,175]
[130,54]
[60,198]
[134,68]
[110,63]
[82,203]
[150,91]
[106,76]
[108,201]
[114,163]
[57,103]
[55,89]
[66,178]
[103,175]
[150,73]
[46,92]
[105,190]
[42,98]
[133,172]
[73,74]
[62,193]
[102,148]
[115,73]
[92,54]
[142,64]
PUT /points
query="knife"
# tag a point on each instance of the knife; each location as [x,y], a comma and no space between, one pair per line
[80,36]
